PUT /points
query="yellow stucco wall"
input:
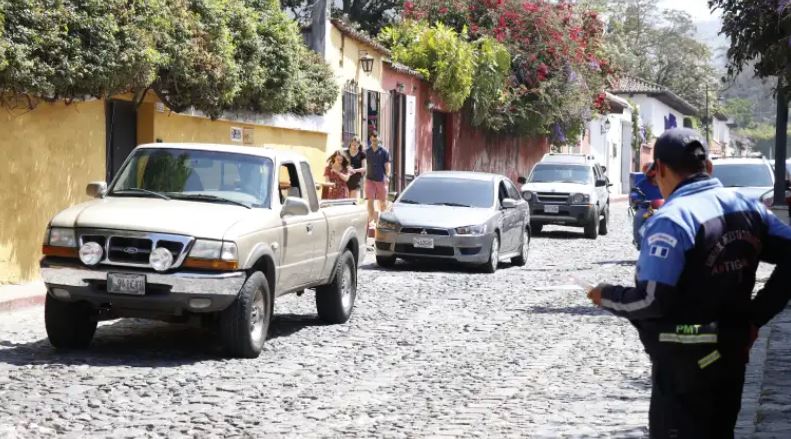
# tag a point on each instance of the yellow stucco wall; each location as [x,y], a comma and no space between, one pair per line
[50,154]
[173,127]
[343,56]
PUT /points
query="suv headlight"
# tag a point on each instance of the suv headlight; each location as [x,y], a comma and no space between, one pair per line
[471,230]
[580,198]
[62,237]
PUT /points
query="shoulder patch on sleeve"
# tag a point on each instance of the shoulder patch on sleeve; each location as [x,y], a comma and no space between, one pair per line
[662,237]
[659,251]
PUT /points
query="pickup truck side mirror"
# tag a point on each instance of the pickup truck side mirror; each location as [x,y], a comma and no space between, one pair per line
[96,189]
[601,183]
[294,206]
[508,203]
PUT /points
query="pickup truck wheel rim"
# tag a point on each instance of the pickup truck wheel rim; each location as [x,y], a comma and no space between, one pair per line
[257,316]
[346,287]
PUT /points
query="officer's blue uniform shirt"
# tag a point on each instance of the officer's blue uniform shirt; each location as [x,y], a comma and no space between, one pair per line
[669,237]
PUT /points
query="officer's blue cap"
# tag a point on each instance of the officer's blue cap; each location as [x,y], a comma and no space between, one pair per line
[680,146]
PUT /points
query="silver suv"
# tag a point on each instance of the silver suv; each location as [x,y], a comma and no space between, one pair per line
[569,190]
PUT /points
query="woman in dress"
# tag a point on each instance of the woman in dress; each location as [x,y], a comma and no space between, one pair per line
[337,174]
[357,160]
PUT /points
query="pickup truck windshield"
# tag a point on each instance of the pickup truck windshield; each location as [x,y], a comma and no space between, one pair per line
[204,176]
[446,191]
[743,174]
[561,174]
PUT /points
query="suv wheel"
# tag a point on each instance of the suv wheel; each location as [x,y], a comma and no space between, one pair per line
[536,228]
[592,228]
[385,261]
[604,220]
[70,325]
[335,301]
[245,324]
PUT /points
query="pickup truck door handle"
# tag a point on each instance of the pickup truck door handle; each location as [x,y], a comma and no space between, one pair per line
[309,228]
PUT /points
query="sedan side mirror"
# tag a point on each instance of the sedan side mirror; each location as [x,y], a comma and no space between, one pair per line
[508,203]
[96,189]
[294,206]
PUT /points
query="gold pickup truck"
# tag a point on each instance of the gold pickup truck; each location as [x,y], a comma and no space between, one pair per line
[196,230]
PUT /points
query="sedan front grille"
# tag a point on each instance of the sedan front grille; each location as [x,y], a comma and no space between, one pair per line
[429,231]
[553,197]
[436,251]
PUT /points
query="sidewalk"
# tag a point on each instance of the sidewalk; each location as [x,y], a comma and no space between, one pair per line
[769,397]
[13,297]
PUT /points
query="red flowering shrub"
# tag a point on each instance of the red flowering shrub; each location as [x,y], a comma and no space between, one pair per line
[558,68]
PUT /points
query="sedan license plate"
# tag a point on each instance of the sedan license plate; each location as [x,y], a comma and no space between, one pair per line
[423,242]
[121,283]
[552,209]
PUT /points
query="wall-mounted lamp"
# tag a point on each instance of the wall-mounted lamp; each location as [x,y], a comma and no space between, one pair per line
[605,127]
[400,87]
[367,62]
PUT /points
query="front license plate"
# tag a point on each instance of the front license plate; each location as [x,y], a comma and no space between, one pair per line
[122,283]
[552,209]
[423,242]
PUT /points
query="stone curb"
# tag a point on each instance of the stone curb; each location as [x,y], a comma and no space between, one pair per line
[14,297]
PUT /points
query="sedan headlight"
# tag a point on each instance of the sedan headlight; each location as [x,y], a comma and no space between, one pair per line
[62,237]
[471,230]
[580,198]
[386,225]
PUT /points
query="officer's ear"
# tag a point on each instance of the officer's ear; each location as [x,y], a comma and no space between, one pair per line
[709,166]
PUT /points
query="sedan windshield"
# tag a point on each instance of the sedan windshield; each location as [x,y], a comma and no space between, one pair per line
[561,174]
[449,191]
[207,176]
[743,175]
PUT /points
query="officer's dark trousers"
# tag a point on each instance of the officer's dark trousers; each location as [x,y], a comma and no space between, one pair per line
[706,411]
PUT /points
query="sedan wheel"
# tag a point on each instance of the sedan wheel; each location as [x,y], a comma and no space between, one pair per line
[521,260]
[494,256]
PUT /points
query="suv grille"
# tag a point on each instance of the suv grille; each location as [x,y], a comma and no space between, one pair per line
[553,197]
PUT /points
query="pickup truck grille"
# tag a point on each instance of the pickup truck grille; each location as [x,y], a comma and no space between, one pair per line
[553,197]
[132,249]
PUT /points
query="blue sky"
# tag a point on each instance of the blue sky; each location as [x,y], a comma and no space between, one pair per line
[699,9]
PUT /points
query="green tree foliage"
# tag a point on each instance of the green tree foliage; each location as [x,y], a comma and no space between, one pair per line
[438,52]
[370,15]
[493,67]
[760,32]
[212,55]
[659,46]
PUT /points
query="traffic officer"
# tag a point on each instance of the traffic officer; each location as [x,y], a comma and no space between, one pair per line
[692,303]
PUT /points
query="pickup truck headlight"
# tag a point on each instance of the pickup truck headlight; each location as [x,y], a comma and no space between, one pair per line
[580,198]
[471,230]
[62,237]
[213,255]
[527,195]
[386,225]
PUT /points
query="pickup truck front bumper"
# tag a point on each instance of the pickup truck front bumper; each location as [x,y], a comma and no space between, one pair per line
[567,215]
[166,295]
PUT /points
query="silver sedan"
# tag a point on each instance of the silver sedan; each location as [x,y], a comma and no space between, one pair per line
[469,217]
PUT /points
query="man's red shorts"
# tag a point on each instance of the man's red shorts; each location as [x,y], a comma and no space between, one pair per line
[375,190]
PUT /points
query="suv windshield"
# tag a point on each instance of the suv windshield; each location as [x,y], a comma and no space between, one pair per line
[743,174]
[208,176]
[448,191]
[545,173]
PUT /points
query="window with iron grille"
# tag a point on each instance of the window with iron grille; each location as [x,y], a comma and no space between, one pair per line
[350,106]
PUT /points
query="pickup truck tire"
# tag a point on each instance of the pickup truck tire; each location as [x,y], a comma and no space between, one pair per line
[494,256]
[537,228]
[70,325]
[524,249]
[605,218]
[335,301]
[386,261]
[592,227]
[245,324]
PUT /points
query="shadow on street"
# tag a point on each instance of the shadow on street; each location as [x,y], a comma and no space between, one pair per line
[143,343]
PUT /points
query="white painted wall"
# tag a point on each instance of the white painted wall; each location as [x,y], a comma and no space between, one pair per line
[608,147]
[721,131]
[653,113]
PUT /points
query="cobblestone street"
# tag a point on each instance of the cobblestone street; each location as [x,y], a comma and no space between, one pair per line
[437,351]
